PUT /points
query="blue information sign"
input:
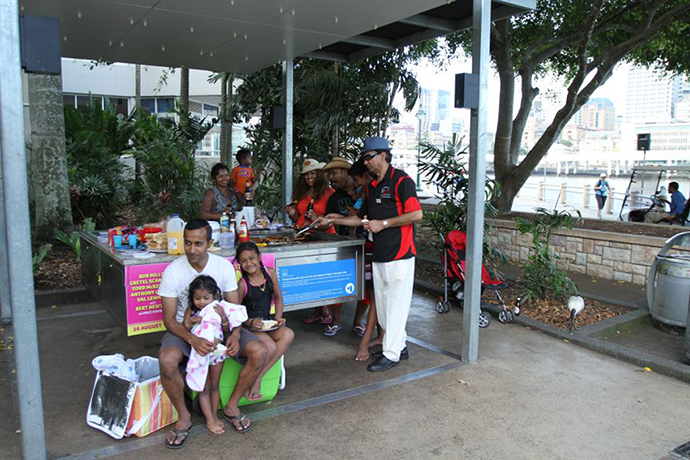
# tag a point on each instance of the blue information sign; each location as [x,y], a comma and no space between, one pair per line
[317,281]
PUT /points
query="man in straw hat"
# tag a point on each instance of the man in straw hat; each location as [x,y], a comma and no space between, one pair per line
[389,212]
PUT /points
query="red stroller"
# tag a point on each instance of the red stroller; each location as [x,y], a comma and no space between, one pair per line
[453,258]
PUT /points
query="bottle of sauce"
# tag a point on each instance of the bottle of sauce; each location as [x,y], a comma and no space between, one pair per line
[244,231]
[175,229]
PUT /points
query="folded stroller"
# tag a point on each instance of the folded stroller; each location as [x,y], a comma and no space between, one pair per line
[455,243]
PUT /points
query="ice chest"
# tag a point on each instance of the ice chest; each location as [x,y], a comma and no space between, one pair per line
[228,380]
[121,407]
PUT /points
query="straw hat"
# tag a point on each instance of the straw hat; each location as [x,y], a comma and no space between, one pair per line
[311,165]
[338,163]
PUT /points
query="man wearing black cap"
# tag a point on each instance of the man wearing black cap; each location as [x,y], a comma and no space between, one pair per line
[389,212]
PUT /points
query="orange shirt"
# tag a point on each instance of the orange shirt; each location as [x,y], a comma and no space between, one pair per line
[241,175]
[319,208]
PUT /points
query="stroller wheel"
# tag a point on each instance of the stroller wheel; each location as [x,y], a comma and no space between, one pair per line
[506,316]
[484,319]
[443,306]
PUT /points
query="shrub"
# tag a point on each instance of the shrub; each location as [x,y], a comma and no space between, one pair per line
[95,140]
[541,276]
[449,174]
[37,258]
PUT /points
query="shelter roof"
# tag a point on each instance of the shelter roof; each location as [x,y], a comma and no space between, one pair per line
[247,35]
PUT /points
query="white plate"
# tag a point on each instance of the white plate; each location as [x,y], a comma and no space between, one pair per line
[143,255]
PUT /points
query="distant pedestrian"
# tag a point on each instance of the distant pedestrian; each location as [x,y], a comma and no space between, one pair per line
[601,191]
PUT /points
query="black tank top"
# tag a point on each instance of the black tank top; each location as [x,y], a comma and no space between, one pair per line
[258,301]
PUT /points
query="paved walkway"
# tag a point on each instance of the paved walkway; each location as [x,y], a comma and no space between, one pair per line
[529,396]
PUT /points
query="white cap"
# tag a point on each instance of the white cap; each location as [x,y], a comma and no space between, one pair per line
[602,175]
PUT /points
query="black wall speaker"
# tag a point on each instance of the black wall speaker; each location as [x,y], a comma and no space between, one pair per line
[278,117]
[644,141]
[466,91]
[40,44]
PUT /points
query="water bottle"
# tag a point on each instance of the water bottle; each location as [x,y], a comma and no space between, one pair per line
[175,230]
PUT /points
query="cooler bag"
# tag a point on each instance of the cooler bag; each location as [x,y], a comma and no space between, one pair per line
[125,407]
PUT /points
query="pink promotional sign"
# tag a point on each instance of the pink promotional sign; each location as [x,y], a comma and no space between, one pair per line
[144,307]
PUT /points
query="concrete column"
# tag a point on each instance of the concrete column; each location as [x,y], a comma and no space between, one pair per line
[609,202]
[558,168]
[481,27]
[16,203]
[633,200]
[540,191]
[288,100]
[562,194]
[585,196]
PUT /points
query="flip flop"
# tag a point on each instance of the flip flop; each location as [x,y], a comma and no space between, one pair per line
[359,330]
[180,436]
[232,419]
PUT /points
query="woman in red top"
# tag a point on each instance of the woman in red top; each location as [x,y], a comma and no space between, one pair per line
[312,188]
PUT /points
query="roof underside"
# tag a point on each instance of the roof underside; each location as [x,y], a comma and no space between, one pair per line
[247,35]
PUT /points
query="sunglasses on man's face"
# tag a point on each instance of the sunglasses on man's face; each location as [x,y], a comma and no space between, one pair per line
[369,156]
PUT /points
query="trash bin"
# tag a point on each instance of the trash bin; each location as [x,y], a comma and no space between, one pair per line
[668,285]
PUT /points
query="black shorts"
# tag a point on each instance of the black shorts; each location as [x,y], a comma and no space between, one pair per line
[171,340]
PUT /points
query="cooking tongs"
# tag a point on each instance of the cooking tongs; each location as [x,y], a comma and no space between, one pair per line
[312,226]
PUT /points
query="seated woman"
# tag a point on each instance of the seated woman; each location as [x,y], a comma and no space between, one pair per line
[221,198]
[259,290]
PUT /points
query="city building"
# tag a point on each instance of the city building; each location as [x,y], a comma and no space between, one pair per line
[652,95]
[598,114]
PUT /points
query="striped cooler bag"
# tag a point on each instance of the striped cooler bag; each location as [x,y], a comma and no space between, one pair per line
[132,406]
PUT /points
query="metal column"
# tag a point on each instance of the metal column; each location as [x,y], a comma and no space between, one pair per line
[288,99]
[5,306]
[481,26]
[17,224]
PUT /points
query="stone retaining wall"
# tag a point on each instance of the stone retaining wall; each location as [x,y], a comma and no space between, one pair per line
[612,256]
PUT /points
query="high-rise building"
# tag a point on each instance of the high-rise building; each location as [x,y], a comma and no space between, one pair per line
[598,114]
[444,104]
[652,95]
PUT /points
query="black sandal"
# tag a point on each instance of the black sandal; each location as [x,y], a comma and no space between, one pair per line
[180,436]
[232,419]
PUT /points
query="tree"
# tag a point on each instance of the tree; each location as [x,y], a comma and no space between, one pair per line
[582,42]
[49,180]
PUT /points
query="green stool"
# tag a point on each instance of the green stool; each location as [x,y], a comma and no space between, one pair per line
[273,380]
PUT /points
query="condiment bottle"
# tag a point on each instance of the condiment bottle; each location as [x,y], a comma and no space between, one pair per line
[244,231]
[224,222]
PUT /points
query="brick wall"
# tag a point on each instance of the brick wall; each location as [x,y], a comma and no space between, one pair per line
[612,256]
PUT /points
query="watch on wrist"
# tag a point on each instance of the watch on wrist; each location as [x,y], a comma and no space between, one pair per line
[385,224]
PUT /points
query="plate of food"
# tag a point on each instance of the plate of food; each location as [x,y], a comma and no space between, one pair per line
[268,325]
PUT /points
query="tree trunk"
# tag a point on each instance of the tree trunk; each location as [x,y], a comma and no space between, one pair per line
[52,206]
[224,119]
[184,95]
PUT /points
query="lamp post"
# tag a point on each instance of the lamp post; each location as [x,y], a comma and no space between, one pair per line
[420,114]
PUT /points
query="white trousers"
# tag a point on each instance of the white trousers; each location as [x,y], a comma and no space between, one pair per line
[393,283]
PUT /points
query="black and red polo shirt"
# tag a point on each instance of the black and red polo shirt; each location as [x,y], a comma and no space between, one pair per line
[394,196]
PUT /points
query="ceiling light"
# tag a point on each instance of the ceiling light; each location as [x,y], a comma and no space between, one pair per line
[163,48]
[292,11]
[211,54]
[131,21]
[64,38]
[191,29]
[201,53]
[79,14]
[280,10]
[145,23]
[122,44]
[245,36]
[335,19]
[246,58]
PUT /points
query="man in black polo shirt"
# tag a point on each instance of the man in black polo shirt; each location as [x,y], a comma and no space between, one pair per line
[389,212]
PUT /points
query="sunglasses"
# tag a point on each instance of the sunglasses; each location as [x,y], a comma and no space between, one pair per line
[369,156]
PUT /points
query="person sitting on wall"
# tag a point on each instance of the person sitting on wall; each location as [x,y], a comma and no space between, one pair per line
[677,207]
[221,198]
[177,343]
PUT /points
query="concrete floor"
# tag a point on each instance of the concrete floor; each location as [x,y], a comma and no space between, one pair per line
[530,396]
